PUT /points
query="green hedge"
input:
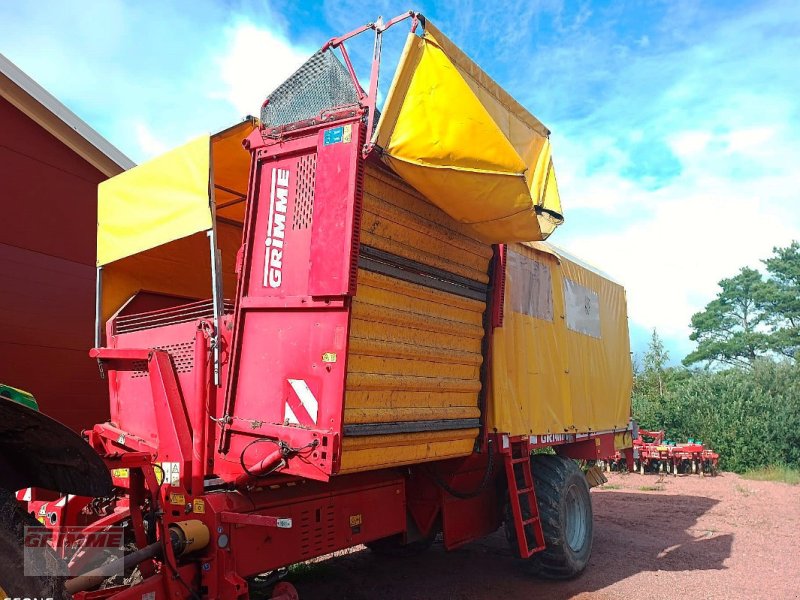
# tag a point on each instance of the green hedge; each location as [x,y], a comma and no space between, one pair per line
[750,416]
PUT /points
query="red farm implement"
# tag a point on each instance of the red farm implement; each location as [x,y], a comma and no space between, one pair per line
[652,453]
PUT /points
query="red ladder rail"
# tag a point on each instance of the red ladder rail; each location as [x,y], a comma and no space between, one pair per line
[522,497]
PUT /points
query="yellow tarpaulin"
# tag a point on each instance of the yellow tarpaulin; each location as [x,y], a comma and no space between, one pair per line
[152,219]
[157,202]
[561,360]
[450,131]
[169,197]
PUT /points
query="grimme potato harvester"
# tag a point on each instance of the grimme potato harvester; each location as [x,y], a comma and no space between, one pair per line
[329,327]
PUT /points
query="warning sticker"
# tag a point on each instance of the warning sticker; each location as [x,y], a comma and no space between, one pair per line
[169,473]
[199,506]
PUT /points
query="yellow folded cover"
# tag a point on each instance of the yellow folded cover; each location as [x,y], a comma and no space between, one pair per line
[450,131]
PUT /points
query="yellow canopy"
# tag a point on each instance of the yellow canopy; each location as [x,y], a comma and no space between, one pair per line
[450,131]
[170,197]
[152,220]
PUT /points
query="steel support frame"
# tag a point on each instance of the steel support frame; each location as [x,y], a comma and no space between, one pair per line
[174,432]
[371,98]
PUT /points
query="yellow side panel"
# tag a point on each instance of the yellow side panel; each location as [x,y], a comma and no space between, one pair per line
[397,219]
[365,453]
[157,202]
[412,347]
[529,364]
[551,371]
[414,352]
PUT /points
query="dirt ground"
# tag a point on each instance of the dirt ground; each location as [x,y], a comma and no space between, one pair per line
[687,538]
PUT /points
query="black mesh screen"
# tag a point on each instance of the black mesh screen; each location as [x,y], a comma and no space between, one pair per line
[322,83]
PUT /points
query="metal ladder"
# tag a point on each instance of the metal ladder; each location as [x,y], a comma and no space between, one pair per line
[524,509]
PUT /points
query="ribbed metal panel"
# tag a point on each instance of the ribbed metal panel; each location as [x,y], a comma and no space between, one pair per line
[416,331]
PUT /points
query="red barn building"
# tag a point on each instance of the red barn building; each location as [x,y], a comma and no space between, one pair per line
[50,165]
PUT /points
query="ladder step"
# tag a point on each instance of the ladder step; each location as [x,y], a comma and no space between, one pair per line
[516,461]
[531,520]
[524,490]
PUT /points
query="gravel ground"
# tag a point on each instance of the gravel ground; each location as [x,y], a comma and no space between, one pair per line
[684,538]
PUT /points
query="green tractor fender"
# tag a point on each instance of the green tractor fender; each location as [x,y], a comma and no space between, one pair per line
[37,451]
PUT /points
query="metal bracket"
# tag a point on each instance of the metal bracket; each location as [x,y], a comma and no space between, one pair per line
[371,98]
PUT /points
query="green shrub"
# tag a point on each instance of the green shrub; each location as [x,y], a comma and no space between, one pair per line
[750,416]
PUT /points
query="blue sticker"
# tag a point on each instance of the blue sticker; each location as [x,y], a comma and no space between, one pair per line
[333,136]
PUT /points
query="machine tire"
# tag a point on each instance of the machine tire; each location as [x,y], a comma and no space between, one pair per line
[393,546]
[13,582]
[565,508]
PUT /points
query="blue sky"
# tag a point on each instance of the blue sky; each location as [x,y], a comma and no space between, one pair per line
[676,124]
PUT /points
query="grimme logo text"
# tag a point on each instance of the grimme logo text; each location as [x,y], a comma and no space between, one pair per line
[41,538]
[95,544]
[276,228]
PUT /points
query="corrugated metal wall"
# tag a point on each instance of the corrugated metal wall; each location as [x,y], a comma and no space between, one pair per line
[48,196]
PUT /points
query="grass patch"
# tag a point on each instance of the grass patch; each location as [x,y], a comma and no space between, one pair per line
[651,488]
[780,473]
[611,486]
[309,570]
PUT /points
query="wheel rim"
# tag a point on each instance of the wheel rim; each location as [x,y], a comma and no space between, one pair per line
[576,520]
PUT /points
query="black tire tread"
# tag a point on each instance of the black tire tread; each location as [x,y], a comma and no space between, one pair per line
[556,561]
[12,579]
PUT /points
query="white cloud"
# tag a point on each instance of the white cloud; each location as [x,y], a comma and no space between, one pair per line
[149,144]
[153,75]
[255,62]
[750,140]
[688,144]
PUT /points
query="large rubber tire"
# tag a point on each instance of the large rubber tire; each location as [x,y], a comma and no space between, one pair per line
[13,582]
[565,508]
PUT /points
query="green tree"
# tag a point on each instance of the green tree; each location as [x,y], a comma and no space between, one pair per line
[652,383]
[732,329]
[654,366]
[782,299]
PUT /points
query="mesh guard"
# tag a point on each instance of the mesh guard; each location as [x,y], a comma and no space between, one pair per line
[321,84]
